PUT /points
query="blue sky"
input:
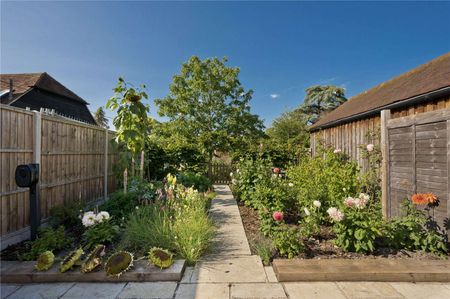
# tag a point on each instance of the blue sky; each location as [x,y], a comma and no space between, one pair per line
[281,47]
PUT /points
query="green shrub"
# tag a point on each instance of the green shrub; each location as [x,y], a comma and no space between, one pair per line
[287,241]
[328,178]
[49,239]
[250,173]
[67,215]
[120,205]
[192,231]
[195,180]
[149,226]
[412,232]
[101,233]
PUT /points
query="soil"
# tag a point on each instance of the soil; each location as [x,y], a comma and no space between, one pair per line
[322,247]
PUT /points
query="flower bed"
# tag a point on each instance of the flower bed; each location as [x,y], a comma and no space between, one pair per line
[324,208]
[154,221]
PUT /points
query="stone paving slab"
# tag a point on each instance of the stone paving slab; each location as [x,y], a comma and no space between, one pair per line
[203,291]
[24,272]
[8,289]
[317,290]
[257,290]
[229,269]
[94,290]
[148,290]
[422,290]
[41,291]
[270,274]
[368,289]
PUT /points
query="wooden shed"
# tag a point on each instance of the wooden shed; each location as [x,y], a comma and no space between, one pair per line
[412,112]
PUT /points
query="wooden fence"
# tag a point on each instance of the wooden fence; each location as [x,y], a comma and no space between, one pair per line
[416,159]
[75,162]
[221,173]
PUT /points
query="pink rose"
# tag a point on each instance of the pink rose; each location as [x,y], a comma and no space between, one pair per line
[277,216]
[276,170]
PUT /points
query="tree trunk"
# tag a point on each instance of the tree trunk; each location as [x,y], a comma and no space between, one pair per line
[210,165]
[125,181]
[142,165]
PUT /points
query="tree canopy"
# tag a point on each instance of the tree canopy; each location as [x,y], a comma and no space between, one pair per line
[100,118]
[320,99]
[208,105]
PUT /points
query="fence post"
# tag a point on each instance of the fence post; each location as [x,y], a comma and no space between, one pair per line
[385,196]
[37,127]
[105,179]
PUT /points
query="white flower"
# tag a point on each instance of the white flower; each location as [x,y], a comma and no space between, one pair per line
[291,185]
[88,219]
[234,181]
[306,211]
[370,147]
[349,201]
[343,189]
[237,170]
[335,214]
[103,215]
[337,151]
[136,207]
[231,174]
[317,204]
[362,200]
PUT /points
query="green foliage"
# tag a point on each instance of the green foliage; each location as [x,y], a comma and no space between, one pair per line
[66,214]
[287,240]
[196,180]
[149,226]
[250,173]
[309,224]
[288,135]
[131,121]
[371,179]
[101,233]
[359,229]
[265,249]
[328,178]
[209,107]
[49,239]
[412,232]
[192,232]
[120,205]
[320,99]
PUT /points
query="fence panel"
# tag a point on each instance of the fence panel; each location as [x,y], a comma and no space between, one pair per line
[76,163]
[221,173]
[417,159]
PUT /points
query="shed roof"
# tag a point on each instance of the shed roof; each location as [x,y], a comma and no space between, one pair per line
[23,82]
[432,76]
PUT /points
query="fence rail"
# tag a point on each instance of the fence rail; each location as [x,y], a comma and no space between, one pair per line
[75,161]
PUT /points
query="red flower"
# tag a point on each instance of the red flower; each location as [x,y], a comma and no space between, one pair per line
[277,216]
[419,199]
[276,170]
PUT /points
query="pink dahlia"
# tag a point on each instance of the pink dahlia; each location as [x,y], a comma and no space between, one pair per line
[277,216]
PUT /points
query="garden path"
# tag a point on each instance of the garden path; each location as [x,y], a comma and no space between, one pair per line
[229,271]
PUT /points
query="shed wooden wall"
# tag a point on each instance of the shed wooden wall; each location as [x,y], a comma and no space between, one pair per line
[72,156]
[349,136]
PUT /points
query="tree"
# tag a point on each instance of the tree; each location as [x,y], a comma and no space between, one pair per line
[131,122]
[320,99]
[100,118]
[289,133]
[209,106]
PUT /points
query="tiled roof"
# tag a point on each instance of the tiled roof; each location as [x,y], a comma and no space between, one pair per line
[426,78]
[23,82]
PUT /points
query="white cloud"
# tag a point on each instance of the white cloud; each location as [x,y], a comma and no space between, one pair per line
[274,95]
